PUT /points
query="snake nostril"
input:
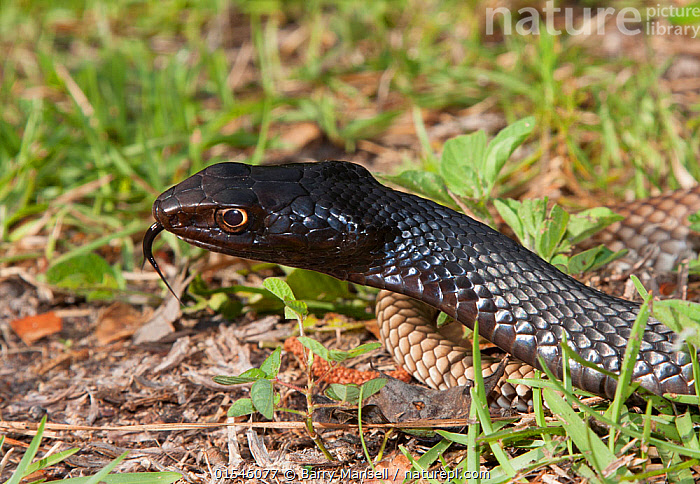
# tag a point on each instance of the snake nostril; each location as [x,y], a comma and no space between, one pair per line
[174,221]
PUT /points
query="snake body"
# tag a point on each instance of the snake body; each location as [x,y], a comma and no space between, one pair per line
[653,230]
[334,217]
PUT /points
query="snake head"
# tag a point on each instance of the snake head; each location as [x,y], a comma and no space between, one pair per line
[309,215]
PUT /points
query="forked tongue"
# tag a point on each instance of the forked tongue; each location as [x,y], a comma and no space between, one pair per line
[148,239]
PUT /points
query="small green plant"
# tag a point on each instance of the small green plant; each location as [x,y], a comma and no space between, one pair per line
[320,293]
[263,397]
[553,234]
[468,168]
[88,274]
[467,173]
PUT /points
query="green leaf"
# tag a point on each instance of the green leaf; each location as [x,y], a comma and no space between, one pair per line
[549,235]
[461,158]
[583,261]
[508,210]
[686,431]
[470,167]
[271,365]
[316,286]
[428,184]
[561,262]
[315,347]
[552,232]
[350,393]
[372,386]
[453,437]
[343,393]
[527,219]
[364,348]
[606,256]
[248,376]
[337,355]
[591,259]
[242,406]
[501,147]
[295,309]
[584,224]
[279,288]
[86,272]
[225,305]
[340,355]
[261,394]
[533,214]
[442,319]
[681,316]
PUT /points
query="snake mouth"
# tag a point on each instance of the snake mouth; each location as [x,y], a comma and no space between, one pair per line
[148,239]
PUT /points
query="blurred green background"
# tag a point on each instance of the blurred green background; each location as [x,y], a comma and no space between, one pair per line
[105,104]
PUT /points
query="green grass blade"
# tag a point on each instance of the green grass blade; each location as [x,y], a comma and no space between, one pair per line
[593,449]
[25,462]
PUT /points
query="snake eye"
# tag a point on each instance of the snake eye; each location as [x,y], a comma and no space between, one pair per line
[232,219]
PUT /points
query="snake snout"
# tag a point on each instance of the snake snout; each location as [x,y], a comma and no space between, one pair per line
[167,209]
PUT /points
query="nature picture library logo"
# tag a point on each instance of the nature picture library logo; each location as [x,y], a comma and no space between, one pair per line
[657,20]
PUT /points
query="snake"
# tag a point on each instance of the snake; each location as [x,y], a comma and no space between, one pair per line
[334,217]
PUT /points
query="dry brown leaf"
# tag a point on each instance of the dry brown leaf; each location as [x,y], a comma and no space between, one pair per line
[33,328]
[339,374]
[118,321]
